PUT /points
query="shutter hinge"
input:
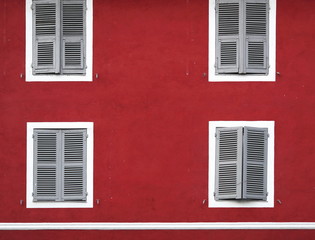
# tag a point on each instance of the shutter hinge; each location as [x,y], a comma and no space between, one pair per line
[266,194]
[215,135]
[32,194]
[86,194]
[32,6]
[33,136]
[87,135]
[214,194]
[268,135]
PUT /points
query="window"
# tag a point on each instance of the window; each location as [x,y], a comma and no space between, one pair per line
[59,165]
[241,164]
[242,40]
[60,48]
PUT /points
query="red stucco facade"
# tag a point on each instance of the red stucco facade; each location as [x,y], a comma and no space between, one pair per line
[151,105]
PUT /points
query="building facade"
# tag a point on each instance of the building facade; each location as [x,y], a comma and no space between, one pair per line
[145,87]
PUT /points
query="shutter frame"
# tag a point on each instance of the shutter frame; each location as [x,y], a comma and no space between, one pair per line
[41,137]
[46,47]
[255,185]
[256,43]
[73,46]
[232,184]
[228,46]
[71,168]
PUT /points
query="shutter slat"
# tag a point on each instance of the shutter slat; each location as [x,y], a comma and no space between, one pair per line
[73,36]
[256,31]
[255,163]
[74,164]
[227,36]
[228,163]
[46,37]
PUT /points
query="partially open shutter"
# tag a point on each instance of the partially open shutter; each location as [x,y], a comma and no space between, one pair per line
[228,182]
[256,32]
[46,170]
[255,163]
[73,36]
[74,164]
[227,36]
[46,36]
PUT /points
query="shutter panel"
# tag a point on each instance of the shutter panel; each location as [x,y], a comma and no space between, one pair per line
[255,163]
[73,36]
[74,164]
[228,184]
[256,32]
[46,37]
[227,36]
[46,170]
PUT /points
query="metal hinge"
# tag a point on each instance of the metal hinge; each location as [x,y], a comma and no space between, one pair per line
[215,135]
[268,135]
[213,193]
[32,6]
[33,135]
[86,193]
[32,194]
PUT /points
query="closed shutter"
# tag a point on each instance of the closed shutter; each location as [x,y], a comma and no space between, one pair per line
[46,36]
[74,164]
[46,169]
[228,182]
[255,163]
[256,34]
[227,35]
[73,36]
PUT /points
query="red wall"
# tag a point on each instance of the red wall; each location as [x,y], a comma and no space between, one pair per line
[151,105]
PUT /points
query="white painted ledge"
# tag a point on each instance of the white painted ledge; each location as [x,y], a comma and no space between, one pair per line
[159,226]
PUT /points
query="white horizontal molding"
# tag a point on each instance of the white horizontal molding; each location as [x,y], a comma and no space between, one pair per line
[159,226]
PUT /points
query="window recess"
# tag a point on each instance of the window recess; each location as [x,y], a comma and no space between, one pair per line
[59,36]
[241,163]
[242,36]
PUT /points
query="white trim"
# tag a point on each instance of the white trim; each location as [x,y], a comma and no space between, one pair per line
[29,174]
[159,226]
[271,77]
[270,166]
[29,77]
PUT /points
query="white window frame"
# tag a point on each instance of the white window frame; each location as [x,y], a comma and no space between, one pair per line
[269,203]
[29,77]
[270,77]
[30,165]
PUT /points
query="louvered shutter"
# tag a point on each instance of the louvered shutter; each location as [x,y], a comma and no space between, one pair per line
[73,36]
[255,163]
[46,165]
[46,36]
[74,164]
[228,182]
[227,36]
[256,32]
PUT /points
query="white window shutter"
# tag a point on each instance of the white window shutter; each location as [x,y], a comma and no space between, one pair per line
[46,169]
[228,29]
[46,36]
[73,31]
[256,36]
[74,164]
[255,163]
[228,181]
